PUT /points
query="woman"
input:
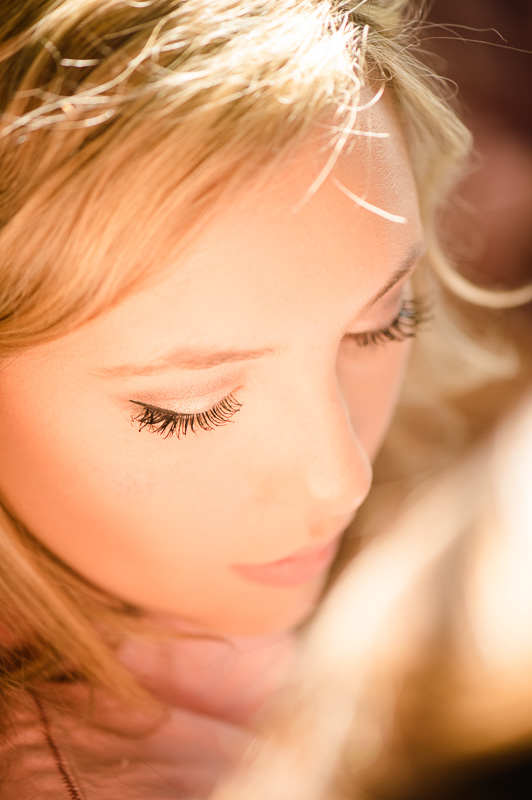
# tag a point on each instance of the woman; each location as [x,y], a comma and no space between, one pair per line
[211,215]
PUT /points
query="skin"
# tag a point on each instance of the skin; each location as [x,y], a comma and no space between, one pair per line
[160,521]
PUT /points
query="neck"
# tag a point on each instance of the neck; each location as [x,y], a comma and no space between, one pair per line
[230,678]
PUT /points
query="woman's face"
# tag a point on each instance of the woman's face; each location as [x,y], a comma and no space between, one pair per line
[270,307]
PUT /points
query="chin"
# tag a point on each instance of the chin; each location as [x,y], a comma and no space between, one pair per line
[282,615]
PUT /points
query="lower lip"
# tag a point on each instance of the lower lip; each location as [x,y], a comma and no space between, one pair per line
[290,571]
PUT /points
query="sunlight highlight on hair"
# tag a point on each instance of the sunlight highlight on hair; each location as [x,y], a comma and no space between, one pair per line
[369,206]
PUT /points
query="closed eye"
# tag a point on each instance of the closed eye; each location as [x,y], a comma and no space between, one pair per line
[411,315]
[167,423]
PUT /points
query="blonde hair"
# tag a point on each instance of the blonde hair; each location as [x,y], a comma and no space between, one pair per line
[124,123]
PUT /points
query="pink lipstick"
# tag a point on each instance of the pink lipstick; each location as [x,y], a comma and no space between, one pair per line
[302,566]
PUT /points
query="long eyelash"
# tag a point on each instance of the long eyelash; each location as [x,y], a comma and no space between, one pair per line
[167,423]
[413,313]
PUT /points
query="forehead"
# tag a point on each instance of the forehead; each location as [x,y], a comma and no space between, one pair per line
[276,252]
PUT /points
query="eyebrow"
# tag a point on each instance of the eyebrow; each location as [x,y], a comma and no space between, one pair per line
[407,266]
[190,358]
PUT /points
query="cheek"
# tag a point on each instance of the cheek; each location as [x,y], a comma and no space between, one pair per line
[110,502]
[370,386]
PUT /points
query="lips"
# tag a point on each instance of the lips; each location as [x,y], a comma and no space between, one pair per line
[298,568]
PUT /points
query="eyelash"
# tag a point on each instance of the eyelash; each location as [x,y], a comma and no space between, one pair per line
[412,314]
[167,423]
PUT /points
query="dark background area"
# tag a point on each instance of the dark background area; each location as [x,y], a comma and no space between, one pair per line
[485,48]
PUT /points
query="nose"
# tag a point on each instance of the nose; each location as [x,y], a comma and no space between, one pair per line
[333,470]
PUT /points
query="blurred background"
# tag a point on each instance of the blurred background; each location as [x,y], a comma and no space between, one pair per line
[485,49]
